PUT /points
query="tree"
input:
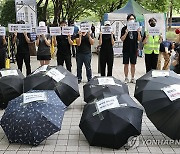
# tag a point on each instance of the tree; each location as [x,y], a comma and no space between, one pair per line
[8,14]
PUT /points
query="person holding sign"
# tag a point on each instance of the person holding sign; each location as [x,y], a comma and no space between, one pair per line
[23,54]
[3,44]
[63,43]
[106,55]
[84,41]
[130,48]
[43,42]
[151,47]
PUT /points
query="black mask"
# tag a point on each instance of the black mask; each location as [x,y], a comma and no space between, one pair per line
[152,24]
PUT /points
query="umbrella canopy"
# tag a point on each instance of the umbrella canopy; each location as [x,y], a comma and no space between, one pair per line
[32,117]
[160,108]
[11,85]
[97,85]
[110,120]
[57,78]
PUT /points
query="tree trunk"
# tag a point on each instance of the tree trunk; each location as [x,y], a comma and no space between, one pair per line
[170,14]
[120,4]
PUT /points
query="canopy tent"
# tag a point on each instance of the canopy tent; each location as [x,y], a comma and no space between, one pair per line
[134,8]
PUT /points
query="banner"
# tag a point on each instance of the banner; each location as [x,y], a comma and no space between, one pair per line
[133,26]
[160,17]
[106,29]
[20,28]
[85,27]
[41,30]
[26,11]
[67,30]
[54,31]
[33,97]
[2,31]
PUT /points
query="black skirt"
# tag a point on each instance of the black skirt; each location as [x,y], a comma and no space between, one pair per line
[43,57]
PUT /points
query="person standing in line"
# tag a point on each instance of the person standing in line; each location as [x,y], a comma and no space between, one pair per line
[3,44]
[23,54]
[93,29]
[63,43]
[151,47]
[84,41]
[106,41]
[74,45]
[43,43]
[130,48]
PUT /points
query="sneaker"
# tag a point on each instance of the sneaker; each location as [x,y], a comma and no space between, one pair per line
[133,80]
[126,80]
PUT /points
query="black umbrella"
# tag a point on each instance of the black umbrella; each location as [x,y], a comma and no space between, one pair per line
[54,78]
[11,85]
[110,120]
[97,85]
[31,119]
[163,112]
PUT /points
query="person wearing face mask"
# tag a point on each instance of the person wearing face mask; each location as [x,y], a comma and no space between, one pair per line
[63,43]
[130,48]
[151,47]
[43,42]
[84,41]
[106,54]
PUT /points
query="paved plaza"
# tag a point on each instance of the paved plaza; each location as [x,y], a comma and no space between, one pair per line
[70,139]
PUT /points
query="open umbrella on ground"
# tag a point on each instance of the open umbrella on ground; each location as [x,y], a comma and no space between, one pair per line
[57,78]
[97,85]
[110,120]
[32,117]
[11,85]
[160,96]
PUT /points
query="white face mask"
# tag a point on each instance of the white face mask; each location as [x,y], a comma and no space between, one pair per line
[131,21]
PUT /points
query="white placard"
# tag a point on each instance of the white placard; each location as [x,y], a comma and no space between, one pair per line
[157,73]
[55,31]
[85,27]
[133,26]
[108,103]
[172,91]
[55,74]
[41,30]
[20,28]
[2,31]
[33,97]
[154,31]
[9,72]
[67,30]
[41,69]
[106,29]
[106,81]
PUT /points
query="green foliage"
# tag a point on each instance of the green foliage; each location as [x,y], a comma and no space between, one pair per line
[8,14]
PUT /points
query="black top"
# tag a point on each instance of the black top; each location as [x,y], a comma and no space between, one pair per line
[22,45]
[130,44]
[85,46]
[1,43]
[44,49]
[106,43]
[63,45]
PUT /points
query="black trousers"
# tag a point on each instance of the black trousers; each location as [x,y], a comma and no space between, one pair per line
[151,61]
[2,58]
[20,57]
[64,58]
[74,50]
[106,59]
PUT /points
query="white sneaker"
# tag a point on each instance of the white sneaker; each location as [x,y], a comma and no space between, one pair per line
[133,80]
[126,80]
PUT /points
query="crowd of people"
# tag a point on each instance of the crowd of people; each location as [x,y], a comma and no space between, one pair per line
[79,45]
